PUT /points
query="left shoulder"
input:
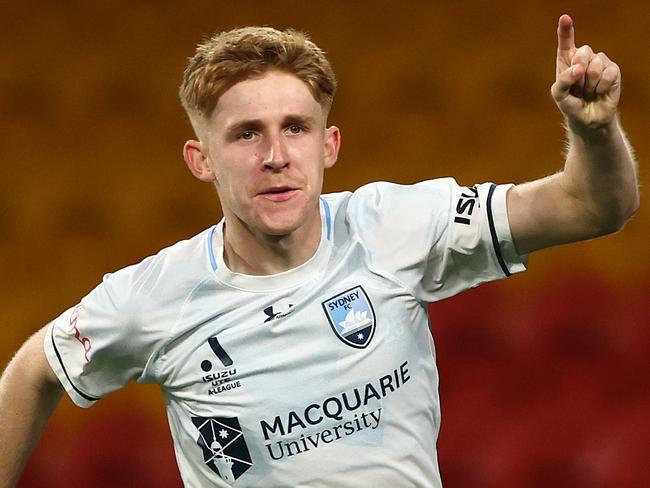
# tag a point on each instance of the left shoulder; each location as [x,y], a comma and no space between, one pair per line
[385,201]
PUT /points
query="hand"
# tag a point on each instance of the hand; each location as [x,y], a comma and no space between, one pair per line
[587,85]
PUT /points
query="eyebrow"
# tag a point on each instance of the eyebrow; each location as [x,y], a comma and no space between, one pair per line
[257,124]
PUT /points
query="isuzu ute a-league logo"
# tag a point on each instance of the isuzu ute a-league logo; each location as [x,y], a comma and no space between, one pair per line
[224,447]
[351,316]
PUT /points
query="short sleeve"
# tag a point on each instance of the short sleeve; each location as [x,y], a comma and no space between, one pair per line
[436,238]
[98,346]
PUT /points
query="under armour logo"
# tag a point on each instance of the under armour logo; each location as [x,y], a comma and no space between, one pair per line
[277,310]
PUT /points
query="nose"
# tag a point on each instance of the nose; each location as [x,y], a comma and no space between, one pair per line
[276,156]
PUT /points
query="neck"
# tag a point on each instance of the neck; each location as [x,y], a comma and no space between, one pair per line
[259,254]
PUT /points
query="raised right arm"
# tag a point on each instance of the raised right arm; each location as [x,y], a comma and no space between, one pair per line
[29,393]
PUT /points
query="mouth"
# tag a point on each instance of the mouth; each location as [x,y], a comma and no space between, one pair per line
[278,193]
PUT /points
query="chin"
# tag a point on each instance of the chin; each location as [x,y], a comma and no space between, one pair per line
[279,229]
[281,224]
[281,221]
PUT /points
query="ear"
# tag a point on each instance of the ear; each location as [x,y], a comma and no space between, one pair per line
[332,145]
[196,158]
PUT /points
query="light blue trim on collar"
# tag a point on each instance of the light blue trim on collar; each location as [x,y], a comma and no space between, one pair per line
[328,219]
[213,259]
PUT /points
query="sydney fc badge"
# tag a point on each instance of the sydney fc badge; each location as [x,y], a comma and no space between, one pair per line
[351,316]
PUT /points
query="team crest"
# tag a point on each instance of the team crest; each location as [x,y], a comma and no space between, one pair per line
[223,445]
[351,316]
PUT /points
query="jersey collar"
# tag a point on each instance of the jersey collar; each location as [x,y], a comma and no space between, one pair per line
[294,277]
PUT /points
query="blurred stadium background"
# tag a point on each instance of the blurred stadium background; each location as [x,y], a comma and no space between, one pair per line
[545,378]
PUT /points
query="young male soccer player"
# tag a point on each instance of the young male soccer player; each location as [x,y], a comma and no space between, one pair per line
[291,339]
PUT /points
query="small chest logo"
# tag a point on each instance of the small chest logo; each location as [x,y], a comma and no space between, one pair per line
[223,445]
[351,316]
[279,309]
[224,379]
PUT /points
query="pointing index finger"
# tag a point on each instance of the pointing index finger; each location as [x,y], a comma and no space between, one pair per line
[565,36]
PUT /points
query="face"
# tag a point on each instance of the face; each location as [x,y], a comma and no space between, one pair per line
[266,147]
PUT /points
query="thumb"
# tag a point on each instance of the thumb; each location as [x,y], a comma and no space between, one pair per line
[566,80]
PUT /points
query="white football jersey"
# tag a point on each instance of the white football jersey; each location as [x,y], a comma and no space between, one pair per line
[320,376]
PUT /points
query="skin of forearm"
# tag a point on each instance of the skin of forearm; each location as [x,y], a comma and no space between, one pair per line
[600,173]
[28,396]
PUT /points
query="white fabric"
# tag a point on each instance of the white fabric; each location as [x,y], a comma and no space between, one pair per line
[286,401]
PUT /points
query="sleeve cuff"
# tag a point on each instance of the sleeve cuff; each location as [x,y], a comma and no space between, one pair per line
[53,355]
[504,246]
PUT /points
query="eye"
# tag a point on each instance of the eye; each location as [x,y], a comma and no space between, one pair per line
[247,135]
[295,129]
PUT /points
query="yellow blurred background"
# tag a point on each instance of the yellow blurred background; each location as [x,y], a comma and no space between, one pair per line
[92,180]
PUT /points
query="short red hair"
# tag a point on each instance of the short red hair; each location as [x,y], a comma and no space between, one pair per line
[239,54]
